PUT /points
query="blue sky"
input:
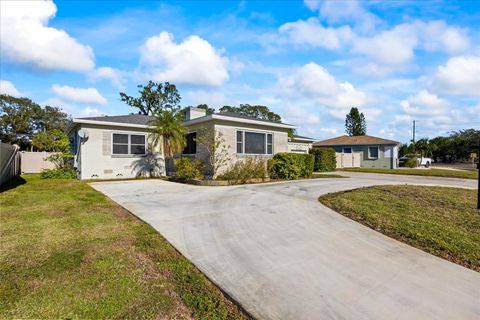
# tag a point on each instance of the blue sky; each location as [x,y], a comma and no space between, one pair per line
[309,61]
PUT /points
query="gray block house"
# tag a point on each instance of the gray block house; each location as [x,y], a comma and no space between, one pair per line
[363,151]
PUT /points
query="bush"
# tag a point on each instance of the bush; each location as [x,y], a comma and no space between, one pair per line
[242,171]
[188,169]
[291,166]
[325,159]
[411,163]
[66,173]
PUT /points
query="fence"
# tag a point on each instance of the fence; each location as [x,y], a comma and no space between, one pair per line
[9,162]
[35,162]
[348,160]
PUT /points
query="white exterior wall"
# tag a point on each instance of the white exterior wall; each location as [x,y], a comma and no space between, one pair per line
[299,147]
[96,161]
[229,133]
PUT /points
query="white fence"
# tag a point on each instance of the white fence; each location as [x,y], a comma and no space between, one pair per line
[347,160]
[9,162]
[35,162]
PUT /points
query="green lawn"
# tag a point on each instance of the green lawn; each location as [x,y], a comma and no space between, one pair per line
[67,251]
[317,175]
[438,220]
[421,172]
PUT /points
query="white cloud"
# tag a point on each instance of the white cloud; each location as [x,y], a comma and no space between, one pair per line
[8,88]
[392,49]
[113,75]
[80,95]
[426,104]
[311,32]
[193,61]
[345,11]
[316,83]
[460,76]
[26,38]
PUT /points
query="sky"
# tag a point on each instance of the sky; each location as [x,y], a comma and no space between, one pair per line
[309,61]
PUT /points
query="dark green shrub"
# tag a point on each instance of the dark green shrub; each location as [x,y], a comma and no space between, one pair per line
[291,166]
[242,171]
[65,173]
[188,169]
[325,159]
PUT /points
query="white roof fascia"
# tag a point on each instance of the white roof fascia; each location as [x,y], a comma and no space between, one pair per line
[241,120]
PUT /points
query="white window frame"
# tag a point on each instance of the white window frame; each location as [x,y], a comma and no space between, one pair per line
[378,152]
[129,154]
[343,149]
[265,133]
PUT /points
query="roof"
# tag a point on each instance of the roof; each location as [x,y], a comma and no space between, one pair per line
[297,137]
[142,121]
[353,140]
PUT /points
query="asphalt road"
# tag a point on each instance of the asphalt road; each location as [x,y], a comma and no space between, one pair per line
[282,255]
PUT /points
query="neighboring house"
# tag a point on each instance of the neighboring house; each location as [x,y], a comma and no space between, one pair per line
[363,151]
[119,146]
[299,144]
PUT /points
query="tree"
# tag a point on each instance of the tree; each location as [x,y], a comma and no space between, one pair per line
[256,111]
[168,129]
[355,124]
[212,150]
[154,98]
[53,118]
[53,140]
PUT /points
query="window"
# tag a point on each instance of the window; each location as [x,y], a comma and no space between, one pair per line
[347,150]
[128,143]
[239,141]
[373,152]
[254,142]
[191,147]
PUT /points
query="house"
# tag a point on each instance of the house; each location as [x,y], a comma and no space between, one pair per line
[111,147]
[299,144]
[363,151]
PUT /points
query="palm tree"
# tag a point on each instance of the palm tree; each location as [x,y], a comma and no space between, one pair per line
[168,129]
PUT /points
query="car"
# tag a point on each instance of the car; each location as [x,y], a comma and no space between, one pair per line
[421,161]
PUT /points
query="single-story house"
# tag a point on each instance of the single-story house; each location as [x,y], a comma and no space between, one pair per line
[363,151]
[109,147]
[299,144]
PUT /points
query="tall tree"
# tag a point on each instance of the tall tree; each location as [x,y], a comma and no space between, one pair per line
[168,129]
[355,124]
[154,98]
[21,118]
[256,111]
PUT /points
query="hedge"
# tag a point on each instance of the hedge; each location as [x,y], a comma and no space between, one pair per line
[291,166]
[325,159]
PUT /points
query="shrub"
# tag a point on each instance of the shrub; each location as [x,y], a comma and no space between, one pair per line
[65,173]
[411,163]
[325,159]
[188,169]
[242,171]
[291,166]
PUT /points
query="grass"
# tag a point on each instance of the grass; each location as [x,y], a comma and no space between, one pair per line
[438,220]
[464,174]
[67,251]
[326,175]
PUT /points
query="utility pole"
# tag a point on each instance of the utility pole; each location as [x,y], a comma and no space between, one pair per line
[413,140]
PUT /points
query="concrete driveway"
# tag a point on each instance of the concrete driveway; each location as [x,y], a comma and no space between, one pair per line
[282,255]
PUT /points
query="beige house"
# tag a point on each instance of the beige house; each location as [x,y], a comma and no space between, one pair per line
[112,147]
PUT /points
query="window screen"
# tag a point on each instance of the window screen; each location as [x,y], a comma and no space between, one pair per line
[239,141]
[373,152]
[191,146]
[120,143]
[347,150]
[269,143]
[254,143]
